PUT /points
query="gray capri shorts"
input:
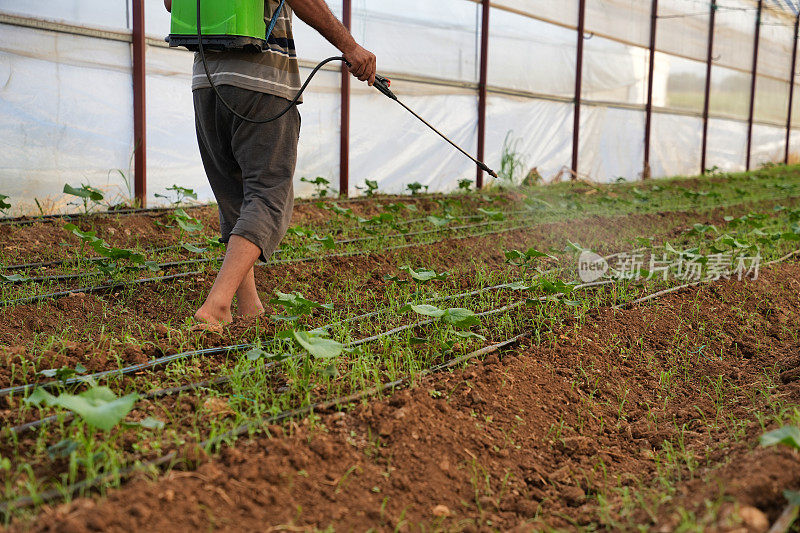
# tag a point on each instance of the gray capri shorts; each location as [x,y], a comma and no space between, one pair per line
[250,166]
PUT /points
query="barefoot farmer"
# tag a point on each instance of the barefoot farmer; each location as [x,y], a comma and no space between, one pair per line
[251,166]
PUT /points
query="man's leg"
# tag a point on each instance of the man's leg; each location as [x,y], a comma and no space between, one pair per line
[247,301]
[236,268]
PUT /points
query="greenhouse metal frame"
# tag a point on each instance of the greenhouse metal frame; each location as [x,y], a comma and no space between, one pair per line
[660,87]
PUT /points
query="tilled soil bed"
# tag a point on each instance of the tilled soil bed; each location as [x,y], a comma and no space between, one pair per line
[646,417]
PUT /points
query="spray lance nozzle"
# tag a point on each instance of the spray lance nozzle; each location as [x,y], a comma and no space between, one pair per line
[382,84]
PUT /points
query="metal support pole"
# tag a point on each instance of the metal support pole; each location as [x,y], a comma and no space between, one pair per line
[576,125]
[707,97]
[484,68]
[139,107]
[753,85]
[344,140]
[791,90]
[648,124]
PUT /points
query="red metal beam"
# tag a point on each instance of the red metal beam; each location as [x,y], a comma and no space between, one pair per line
[648,123]
[344,140]
[576,124]
[753,85]
[791,90]
[139,105]
[484,69]
[707,97]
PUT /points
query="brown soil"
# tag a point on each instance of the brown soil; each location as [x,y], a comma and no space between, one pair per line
[523,441]
[47,239]
[146,310]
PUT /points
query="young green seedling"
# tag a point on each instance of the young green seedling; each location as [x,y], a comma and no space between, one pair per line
[296,305]
[4,206]
[316,342]
[370,188]
[421,276]
[492,214]
[336,208]
[181,194]
[87,194]
[64,373]
[786,436]
[320,184]
[371,225]
[99,407]
[318,243]
[441,222]
[525,259]
[416,187]
[455,316]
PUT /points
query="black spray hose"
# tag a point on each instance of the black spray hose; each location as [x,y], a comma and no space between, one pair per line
[382,84]
[201,49]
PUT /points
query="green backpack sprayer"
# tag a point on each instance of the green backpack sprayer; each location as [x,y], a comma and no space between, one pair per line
[240,25]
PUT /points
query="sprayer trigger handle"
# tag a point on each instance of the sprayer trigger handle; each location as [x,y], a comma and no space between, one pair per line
[383,84]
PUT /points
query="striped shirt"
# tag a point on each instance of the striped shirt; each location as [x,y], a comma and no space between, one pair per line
[274,71]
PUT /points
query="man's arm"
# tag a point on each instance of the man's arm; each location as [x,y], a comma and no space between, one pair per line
[168,5]
[316,14]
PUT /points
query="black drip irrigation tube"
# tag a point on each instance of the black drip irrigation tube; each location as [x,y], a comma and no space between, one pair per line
[98,288]
[76,488]
[86,290]
[172,457]
[221,380]
[62,277]
[23,266]
[216,350]
[57,262]
[28,220]
[239,347]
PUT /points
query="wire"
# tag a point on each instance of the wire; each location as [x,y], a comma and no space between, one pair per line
[53,494]
[293,102]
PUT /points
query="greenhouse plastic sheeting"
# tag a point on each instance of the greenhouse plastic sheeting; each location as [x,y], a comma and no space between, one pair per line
[776,42]
[564,13]
[794,146]
[769,144]
[66,112]
[679,83]
[628,20]
[435,39]
[730,92]
[612,143]
[676,145]
[614,72]
[683,28]
[389,145]
[772,99]
[727,145]
[516,39]
[104,14]
[734,34]
[78,127]
[796,106]
[539,131]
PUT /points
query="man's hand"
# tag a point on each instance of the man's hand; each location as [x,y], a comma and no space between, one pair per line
[168,5]
[362,63]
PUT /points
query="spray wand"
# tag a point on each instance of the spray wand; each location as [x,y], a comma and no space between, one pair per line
[381,83]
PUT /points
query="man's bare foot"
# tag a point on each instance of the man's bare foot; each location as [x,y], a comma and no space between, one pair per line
[209,317]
